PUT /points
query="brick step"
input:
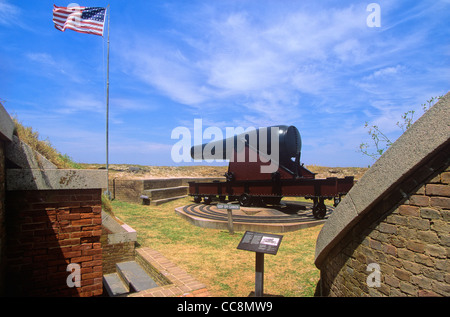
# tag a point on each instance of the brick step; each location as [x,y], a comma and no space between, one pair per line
[163,193]
[135,276]
[129,278]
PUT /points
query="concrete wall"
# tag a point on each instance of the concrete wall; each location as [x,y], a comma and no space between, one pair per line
[130,190]
[6,136]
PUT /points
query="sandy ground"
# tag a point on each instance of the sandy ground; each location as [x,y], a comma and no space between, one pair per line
[127,171]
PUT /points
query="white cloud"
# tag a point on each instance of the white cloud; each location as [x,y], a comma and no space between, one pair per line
[267,64]
[9,13]
[384,73]
[42,58]
[46,65]
[260,67]
[80,103]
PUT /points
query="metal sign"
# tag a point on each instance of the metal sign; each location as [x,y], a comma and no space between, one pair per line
[227,206]
[260,242]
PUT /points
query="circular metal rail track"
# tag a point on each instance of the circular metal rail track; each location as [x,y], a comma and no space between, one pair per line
[287,217]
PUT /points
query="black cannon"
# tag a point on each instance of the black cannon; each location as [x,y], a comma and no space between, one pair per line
[264,166]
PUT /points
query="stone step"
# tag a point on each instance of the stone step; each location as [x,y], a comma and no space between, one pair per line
[162,183]
[162,193]
[135,276]
[165,200]
[114,285]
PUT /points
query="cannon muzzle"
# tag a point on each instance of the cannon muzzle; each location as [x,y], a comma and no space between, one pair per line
[261,140]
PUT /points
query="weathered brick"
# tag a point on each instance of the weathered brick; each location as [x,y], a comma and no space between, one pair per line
[445,215]
[408,288]
[421,281]
[428,236]
[402,274]
[397,220]
[441,202]
[441,288]
[415,246]
[443,265]
[375,244]
[424,259]
[442,227]
[418,223]
[445,177]
[82,222]
[419,200]
[438,190]
[436,251]
[390,249]
[426,293]
[405,254]
[387,228]
[445,240]
[412,267]
[429,213]
[391,280]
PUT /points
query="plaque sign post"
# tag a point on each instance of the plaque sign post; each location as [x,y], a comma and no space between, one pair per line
[229,208]
[260,243]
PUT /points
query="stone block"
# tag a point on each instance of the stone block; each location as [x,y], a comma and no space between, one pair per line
[429,213]
[438,190]
[55,179]
[6,125]
[23,156]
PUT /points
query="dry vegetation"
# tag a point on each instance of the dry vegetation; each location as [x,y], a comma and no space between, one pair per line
[44,147]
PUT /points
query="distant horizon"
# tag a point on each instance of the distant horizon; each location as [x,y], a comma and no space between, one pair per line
[206,164]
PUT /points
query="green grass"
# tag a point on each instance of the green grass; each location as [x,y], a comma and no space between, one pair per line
[211,255]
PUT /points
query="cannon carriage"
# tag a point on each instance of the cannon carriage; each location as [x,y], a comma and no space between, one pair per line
[264,166]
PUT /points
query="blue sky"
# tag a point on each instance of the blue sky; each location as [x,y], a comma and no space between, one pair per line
[232,63]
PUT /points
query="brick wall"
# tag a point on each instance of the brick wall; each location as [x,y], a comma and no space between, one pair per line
[411,245]
[116,253]
[46,231]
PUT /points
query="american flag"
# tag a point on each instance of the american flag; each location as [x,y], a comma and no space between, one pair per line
[90,20]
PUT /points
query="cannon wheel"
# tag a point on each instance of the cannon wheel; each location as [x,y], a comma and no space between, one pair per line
[245,200]
[197,199]
[207,200]
[319,209]
[272,200]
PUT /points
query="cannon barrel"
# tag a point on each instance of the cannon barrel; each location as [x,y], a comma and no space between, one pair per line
[289,144]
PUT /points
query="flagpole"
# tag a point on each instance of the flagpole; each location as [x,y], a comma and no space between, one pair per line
[107,110]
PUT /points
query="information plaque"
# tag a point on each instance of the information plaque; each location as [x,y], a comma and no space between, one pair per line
[227,206]
[260,242]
